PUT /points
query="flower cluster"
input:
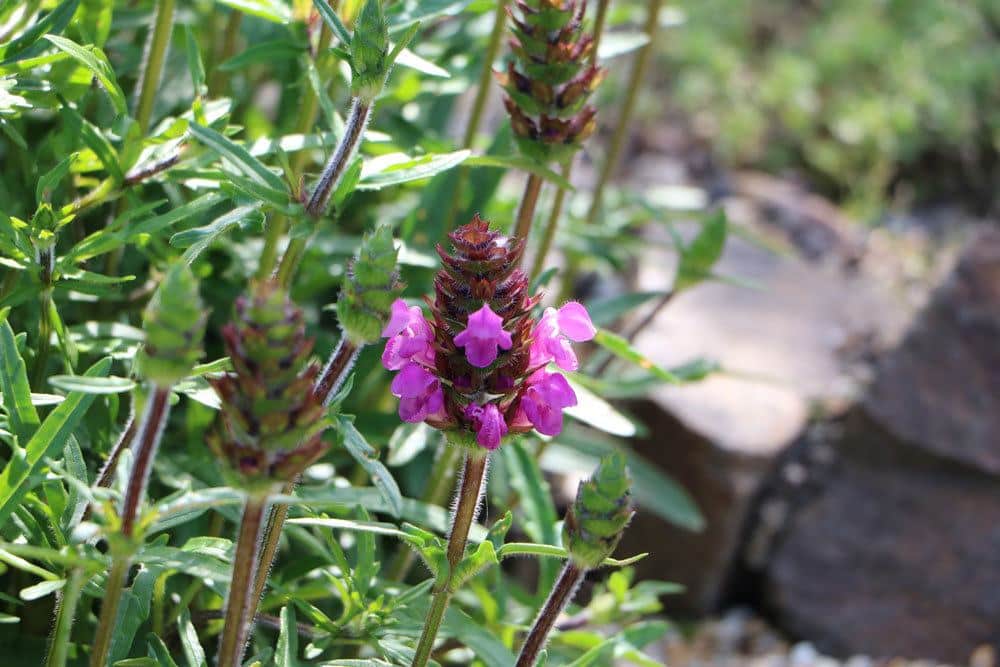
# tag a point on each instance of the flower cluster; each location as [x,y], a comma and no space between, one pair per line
[272,419]
[480,364]
[548,82]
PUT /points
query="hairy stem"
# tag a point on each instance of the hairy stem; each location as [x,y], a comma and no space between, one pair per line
[69,596]
[566,585]
[551,226]
[599,22]
[469,493]
[526,212]
[478,106]
[278,224]
[150,432]
[435,493]
[156,54]
[330,381]
[337,369]
[113,589]
[354,129]
[239,606]
[107,472]
[632,89]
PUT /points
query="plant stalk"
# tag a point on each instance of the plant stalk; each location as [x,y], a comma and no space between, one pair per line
[632,90]
[149,432]
[566,585]
[599,22]
[240,606]
[469,494]
[551,226]
[435,493]
[65,615]
[113,589]
[330,381]
[220,77]
[156,54]
[526,212]
[478,106]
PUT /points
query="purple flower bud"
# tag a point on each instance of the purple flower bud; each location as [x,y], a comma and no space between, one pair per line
[409,335]
[554,331]
[489,424]
[543,401]
[419,392]
[483,335]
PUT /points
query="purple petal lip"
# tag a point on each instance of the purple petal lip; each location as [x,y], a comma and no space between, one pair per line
[574,322]
[482,336]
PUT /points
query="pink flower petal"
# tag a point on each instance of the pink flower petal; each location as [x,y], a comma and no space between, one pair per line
[482,336]
[412,381]
[574,322]
[398,319]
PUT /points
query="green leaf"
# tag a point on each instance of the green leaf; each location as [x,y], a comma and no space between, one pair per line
[94,59]
[50,179]
[92,385]
[193,651]
[17,402]
[593,410]
[614,44]
[53,22]
[159,651]
[520,162]
[603,312]
[195,65]
[402,169]
[197,240]
[366,455]
[271,10]
[408,440]
[50,438]
[540,517]
[622,349]
[600,655]
[408,58]
[238,156]
[333,21]
[287,652]
[701,254]
[267,52]
[484,643]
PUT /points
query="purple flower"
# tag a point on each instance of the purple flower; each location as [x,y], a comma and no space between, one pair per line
[410,337]
[489,424]
[555,330]
[543,401]
[482,336]
[419,393]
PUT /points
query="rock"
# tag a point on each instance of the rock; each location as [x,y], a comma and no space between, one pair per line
[899,554]
[790,345]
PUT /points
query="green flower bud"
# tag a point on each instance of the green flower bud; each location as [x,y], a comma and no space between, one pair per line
[603,507]
[272,418]
[369,52]
[371,285]
[174,323]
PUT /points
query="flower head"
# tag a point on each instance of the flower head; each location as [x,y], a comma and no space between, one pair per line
[603,507]
[467,368]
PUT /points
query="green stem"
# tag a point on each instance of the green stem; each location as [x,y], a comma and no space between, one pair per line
[435,493]
[278,225]
[632,90]
[526,212]
[570,578]
[220,77]
[156,54]
[149,432]
[478,106]
[65,615]
[469,493]
[239,607]
[551,225]
[599,22]
[113,589]
[44,339]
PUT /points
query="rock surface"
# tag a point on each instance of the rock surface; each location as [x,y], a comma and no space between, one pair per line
[899,554]
[791,346]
